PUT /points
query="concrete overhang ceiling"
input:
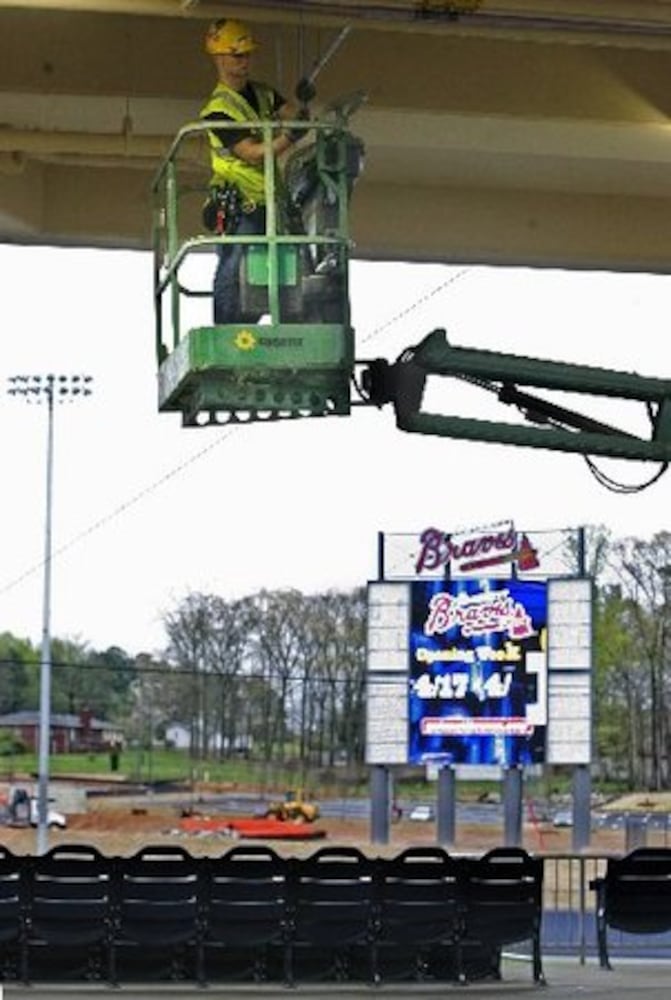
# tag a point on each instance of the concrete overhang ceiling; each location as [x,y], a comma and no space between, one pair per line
[503,132]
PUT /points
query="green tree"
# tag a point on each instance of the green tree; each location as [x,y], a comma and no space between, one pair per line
[645,571]
[18,669]
[620,689]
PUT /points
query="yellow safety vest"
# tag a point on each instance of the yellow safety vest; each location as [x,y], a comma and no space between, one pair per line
[226,167]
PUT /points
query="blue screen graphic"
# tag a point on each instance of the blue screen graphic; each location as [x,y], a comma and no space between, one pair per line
[475,692]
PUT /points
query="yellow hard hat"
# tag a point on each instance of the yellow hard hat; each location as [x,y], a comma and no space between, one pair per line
[226,37]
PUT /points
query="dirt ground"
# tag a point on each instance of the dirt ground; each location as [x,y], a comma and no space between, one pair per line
[122,829]
[119,825]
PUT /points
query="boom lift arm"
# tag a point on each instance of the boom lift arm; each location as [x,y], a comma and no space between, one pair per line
[403,384]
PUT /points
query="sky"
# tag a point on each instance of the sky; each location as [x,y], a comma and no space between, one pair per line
[145,511]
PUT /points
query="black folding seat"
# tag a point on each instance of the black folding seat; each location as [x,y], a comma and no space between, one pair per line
[157,925]
[246,915]
[503,906]
[634,896]
[333,915]
[419,921]
[13,886]
[69,914]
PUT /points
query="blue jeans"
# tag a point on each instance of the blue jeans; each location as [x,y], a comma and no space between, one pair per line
[230,257]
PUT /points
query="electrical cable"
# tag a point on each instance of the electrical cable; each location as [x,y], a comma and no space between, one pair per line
[622,488]
[453,278]
[174,670]
[126,505]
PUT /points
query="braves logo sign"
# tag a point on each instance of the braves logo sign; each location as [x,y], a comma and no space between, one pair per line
[478,614]
[475,551]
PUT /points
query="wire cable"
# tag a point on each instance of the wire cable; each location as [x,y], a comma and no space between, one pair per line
[168,669]
[126,505]
[453,278]
[622,488]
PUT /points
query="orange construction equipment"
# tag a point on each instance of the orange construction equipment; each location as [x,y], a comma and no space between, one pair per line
[252,828]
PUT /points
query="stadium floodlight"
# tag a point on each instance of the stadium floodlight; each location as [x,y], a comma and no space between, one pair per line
[48,389]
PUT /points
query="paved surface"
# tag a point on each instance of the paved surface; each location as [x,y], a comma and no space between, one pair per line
[566,978]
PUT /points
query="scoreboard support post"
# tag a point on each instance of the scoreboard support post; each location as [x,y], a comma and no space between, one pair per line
[447,806]
[512,806]
[582,794]
[380,800]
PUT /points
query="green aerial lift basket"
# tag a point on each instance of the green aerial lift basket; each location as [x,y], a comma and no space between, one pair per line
[288,369]
[292,352]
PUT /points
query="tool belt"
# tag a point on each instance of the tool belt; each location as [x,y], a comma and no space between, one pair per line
[222,208]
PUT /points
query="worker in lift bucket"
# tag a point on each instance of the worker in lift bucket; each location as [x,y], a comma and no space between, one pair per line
[236,205]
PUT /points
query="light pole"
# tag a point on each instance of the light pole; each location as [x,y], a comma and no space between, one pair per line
[50,389]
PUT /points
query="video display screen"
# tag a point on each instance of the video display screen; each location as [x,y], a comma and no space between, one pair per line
[478,672]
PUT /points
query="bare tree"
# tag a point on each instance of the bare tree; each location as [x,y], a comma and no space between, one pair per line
[279,652]
[282,666]
[189,629]
[332,725]
[228,642]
